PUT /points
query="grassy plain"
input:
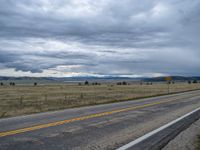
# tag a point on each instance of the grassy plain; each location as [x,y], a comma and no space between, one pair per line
[27,99]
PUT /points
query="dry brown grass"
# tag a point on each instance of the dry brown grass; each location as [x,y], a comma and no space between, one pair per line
[20,100]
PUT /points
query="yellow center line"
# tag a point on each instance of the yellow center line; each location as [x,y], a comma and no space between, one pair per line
[22,130]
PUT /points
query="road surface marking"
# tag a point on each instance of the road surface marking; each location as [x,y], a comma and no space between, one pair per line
[146,136]
[36,127]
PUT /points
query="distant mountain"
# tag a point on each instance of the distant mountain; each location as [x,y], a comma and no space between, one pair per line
[67,79]
[174,78]
[92,78]
[23,78]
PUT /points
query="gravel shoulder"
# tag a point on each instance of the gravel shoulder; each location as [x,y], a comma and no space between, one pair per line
[186,140]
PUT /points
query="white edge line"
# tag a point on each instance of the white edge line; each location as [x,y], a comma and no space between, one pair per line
[144,137]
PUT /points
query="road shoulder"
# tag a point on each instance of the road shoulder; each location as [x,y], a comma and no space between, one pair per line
[186,140]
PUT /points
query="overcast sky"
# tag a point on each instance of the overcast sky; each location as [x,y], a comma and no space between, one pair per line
[99,37]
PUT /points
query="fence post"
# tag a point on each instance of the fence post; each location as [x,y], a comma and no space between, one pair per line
[21,102]
[45,96]
[65,97]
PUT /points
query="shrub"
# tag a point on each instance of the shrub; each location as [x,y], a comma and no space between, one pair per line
[195,81]
[124,83]
[119,83]
[86,83]
[12,83]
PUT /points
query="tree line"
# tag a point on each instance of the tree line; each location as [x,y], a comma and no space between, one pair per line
[13,83]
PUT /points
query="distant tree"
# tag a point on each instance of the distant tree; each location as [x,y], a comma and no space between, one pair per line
[173,82]
[95,83]
[86,82]
[195,81]
[189,82]
[124,83]
[12,83]
[1,83]
[79,84]
[149,83]
[35,84]
[119,83]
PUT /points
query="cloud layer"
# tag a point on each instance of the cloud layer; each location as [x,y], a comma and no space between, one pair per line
[104,37]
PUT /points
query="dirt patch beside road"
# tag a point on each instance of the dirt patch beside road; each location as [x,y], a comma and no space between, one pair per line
[186,140]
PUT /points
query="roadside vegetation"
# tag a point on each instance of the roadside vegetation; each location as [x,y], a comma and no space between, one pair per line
[198,143]
[26,99]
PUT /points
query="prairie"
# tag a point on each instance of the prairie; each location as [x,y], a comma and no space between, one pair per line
[28,99]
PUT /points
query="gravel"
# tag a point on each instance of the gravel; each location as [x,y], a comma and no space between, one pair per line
[186,140]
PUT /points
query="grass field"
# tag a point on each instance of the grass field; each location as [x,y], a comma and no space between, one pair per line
[27,99]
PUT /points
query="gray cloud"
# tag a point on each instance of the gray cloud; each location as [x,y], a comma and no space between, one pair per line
[104,37]
[37,62]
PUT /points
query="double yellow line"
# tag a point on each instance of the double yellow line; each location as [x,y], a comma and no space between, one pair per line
[17,131]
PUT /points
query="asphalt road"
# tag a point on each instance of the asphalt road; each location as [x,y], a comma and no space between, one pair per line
[106,126]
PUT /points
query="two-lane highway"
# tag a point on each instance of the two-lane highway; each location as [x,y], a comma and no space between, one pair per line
[106,126]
